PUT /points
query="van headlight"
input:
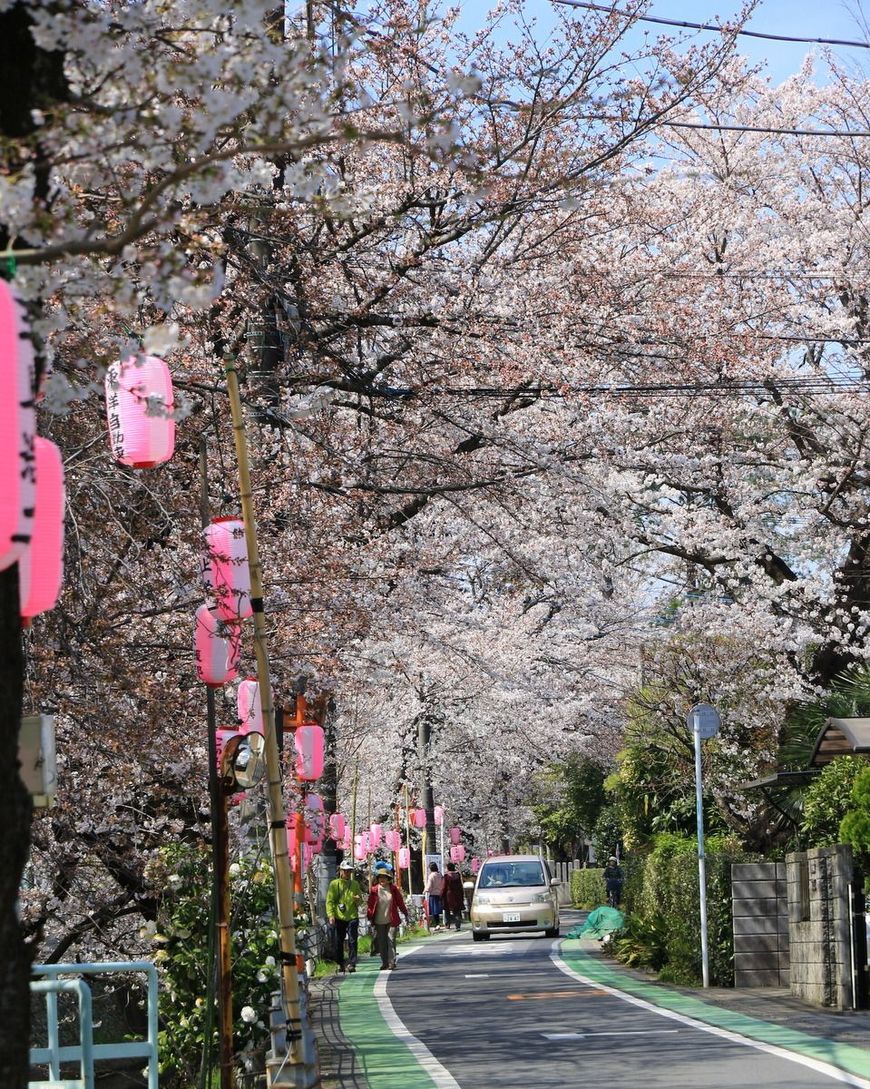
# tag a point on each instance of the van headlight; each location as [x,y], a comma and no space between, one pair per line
[540,898]
[481,900]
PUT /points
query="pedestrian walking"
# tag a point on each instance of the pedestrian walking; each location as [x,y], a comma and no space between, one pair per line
[343,899]
[385,904]
[434,891]
[454,896]
[613,878]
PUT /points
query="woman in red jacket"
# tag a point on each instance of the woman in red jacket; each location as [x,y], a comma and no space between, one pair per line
[385,903]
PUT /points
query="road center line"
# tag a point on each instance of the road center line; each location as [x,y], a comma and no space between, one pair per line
[624,1032]
[477,975]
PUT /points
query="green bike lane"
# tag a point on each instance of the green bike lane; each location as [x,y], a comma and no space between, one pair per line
[436,1023]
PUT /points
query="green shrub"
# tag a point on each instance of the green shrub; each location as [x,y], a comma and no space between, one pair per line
[662,903]
[587,888]
[642,943]
[182,874]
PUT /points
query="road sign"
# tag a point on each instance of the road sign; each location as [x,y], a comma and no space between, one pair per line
[705,720]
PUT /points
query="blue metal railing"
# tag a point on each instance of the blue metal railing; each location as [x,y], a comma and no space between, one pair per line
[86,1052]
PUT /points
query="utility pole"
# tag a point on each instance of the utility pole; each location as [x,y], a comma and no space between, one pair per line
[219,847]
[424,738]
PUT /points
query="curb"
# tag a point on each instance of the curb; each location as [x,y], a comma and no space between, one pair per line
[842,1057]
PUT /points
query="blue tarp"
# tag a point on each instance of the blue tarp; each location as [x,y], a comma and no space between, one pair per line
[601,921]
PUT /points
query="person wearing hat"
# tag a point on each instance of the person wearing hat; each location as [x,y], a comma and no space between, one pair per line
[343,899]
[385,904]
[613,879]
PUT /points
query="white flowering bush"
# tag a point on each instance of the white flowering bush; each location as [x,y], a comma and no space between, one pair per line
[183,876]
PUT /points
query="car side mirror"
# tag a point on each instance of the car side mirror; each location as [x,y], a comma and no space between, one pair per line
[555,881]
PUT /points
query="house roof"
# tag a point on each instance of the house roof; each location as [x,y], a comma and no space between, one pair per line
[841,737]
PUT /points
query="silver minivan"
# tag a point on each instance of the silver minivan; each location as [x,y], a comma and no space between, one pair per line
[514,894]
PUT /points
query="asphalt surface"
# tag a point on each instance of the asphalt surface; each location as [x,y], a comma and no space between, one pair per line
[502,1015]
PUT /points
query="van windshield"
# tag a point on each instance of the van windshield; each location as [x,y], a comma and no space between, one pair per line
[502,875]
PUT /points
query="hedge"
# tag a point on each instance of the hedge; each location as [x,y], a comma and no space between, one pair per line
[587,888]
[663,913]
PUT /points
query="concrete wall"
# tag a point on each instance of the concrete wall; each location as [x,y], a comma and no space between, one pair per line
[761,930]
[563,871]
[819,907]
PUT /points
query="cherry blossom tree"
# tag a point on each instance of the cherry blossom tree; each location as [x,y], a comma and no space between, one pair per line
[404,238]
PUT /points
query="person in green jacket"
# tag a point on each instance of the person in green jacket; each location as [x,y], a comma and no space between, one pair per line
[343,898]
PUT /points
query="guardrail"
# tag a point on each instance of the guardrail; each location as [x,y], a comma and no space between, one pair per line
[86,1052]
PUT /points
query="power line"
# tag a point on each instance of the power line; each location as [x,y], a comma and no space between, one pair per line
[809,386]
[716,127]
[764,129]
[712,26]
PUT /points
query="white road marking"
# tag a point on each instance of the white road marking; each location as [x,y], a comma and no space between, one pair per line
[480,951]
[724,1034]
[477,975]
[625,1032]
[439,1074]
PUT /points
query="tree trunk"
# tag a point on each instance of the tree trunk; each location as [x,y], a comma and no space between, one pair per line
[30,78]
[15,815]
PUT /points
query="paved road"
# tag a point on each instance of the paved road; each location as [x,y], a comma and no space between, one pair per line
[502,1015]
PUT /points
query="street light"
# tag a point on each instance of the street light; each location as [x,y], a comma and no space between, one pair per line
[704,722]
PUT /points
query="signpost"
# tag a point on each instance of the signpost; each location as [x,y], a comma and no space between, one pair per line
[704,722]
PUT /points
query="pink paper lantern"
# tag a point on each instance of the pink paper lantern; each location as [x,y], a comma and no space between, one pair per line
[315,818]
[418,818]
[404,858]
[308,740]
[217,648]
[337,827]
[439,815]
[139,404]
[40,568]
[392,840]
[457,853]
[309,850]
[249,706]
[475,865]
[375,834]
[225,572]
[365,839]
[359,852]
[17,429]
[455,835]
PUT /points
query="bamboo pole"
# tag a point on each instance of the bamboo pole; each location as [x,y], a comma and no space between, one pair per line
[277,820]
[371,854]
[407,840]
[353,803]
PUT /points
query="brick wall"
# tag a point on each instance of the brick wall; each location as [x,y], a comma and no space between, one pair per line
[761,928]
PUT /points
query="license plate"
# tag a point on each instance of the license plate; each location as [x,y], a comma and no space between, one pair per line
[511,917]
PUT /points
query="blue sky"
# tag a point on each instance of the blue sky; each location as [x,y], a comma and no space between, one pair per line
[799,18]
